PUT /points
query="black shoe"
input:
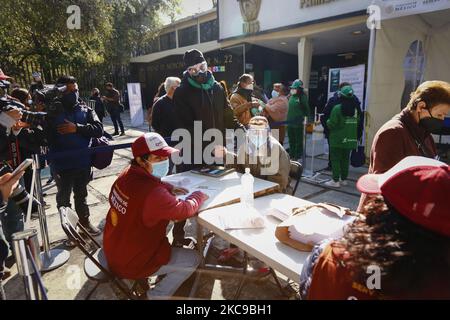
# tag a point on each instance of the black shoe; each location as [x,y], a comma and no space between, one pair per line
[187,243]
[90,228]
[122,134]
[115,134]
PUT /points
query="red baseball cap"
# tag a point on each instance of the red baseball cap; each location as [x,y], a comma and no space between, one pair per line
[3,76]
[151,143]
[418,188]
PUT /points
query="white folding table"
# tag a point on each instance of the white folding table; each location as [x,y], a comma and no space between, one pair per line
[223,190]
[261,243]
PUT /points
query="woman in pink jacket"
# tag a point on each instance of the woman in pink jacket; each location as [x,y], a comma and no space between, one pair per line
[276,110]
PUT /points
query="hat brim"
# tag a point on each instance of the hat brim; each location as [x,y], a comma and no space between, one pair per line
[369,184]
[164,152]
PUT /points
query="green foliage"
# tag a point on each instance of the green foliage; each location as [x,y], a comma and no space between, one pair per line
[111,30]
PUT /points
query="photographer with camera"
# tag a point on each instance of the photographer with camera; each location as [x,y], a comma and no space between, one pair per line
[72,127]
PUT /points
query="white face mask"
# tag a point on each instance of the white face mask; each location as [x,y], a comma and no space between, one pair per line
[249,87]
[275,94]
[293,91]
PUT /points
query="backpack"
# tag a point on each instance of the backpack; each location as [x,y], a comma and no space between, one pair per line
[102,159]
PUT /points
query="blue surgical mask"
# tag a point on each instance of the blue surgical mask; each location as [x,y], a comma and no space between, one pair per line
[160,169]
[275,94]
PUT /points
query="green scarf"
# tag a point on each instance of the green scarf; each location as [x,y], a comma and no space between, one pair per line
[205,86]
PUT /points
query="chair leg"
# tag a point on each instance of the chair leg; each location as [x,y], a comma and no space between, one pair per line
[92,291]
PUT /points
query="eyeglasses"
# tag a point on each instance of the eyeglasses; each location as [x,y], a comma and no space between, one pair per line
[199,67]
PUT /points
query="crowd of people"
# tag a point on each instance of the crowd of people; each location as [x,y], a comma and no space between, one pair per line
[403,225]
[51,121]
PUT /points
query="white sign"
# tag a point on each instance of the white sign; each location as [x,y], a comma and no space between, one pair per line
[135,101]
[399,8]
[237,18]
[353,75]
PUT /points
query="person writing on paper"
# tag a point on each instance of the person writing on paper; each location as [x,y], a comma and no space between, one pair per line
[400,249]
[134,240]
[262,153]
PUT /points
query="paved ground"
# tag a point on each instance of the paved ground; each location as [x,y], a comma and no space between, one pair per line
[69,281]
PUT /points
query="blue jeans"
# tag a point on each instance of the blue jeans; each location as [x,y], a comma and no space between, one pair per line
[182,264]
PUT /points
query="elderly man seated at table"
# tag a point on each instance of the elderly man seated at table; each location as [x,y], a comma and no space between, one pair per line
[262,153]
[266,158]
[135,242]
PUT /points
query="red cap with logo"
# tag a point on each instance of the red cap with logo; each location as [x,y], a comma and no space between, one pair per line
[418,188]
[151,143]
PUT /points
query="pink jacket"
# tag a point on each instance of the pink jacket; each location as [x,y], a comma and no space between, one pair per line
[277,108]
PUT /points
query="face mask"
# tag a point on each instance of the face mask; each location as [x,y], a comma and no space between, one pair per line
[275,94]
[70,99]
[30,102]
[160,169]
[249,87]
[293,92]
[431,125]
[201,77]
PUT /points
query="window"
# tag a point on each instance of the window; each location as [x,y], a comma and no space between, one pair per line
[209,31]
[187,36]
[167,41]
[413,68]
[153,46]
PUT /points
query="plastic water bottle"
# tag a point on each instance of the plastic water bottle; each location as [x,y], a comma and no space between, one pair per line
[247,181]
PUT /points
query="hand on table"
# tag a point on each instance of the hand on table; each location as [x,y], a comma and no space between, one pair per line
[220,151]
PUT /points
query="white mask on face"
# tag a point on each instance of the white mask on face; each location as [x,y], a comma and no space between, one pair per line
[275,94]
[249,87]
[293,91]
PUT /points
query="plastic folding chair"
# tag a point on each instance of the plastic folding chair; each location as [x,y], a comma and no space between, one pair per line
[95,264]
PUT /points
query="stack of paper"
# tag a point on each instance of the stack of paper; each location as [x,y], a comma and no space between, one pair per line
[183,182]
[315,225]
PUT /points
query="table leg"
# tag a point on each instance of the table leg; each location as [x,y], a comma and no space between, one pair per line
[241,283]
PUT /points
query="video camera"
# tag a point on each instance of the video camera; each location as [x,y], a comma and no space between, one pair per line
[49,96]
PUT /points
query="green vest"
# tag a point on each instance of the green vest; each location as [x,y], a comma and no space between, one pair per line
[343,130]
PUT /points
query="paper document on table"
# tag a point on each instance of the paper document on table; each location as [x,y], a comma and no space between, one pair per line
[250,219]
[315,225]
[183,182]
[280,209]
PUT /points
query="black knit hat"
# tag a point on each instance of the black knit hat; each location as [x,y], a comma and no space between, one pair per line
[193,57]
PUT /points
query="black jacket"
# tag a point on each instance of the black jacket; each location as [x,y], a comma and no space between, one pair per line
[163,117]
[194,104]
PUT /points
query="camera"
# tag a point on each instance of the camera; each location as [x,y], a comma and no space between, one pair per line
[50,98]
[20,195]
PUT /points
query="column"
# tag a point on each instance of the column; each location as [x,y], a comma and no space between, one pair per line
[305,51]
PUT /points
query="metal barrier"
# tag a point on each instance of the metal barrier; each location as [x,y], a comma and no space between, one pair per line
[51,258]
[26,250]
